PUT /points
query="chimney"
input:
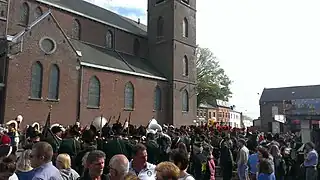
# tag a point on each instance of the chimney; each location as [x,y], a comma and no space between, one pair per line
[138,20]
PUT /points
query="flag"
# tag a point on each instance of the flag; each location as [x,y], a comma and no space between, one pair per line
[46,132]
[129,121]
[46,128]
[118,121]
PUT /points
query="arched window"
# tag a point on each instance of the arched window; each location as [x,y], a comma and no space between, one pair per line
[109,39]
[36,80]
[54,82]
[24,14]
[157,99]
[185,70]
[76,29]
[129,96]
[160,25]
[94,92]
[38,12]
[185,101]
[185,28]
[136,47]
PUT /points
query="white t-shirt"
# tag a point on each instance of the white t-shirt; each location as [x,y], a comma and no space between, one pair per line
[187,177]
[148,173]
[13,177]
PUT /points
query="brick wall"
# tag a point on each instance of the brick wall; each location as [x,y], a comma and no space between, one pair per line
[112,97]
[19,77]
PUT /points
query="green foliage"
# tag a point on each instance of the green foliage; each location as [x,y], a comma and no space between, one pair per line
[212,83]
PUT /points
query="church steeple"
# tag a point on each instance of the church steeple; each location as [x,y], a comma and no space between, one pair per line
[172,47]
[3,17]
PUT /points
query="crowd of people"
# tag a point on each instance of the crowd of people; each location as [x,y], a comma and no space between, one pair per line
[154,152]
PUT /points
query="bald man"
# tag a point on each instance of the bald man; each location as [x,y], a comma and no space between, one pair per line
[118,167]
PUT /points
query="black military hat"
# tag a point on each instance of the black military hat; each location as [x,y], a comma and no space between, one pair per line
[88,136]
[56,129]
[117,128]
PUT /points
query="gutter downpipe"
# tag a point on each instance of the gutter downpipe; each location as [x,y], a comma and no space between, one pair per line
[80,85]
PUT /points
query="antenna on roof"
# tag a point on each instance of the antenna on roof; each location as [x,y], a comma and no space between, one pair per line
[138,20]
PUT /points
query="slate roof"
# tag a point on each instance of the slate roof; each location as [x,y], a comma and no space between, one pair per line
[110,58]
[205,105]
[290,93]
[93,12]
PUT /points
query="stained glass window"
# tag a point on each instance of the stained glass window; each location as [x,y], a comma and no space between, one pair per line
[36,80]
[185,28]
[24,14]
[185,71]
[185,101]
[94,92]
[54,82]
[129,96]
[109,39]
[76,29]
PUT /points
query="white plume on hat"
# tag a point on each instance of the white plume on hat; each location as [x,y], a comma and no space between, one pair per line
[152,131]
[19,118]
[3,130]
[126,124]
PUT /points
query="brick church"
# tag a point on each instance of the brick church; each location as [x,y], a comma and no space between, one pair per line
[86,61]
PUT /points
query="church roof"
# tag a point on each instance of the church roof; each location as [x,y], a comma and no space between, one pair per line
[111,60]
[100,57]
[290,93]
[96,13]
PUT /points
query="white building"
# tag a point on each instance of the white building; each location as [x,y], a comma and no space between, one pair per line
[247,123]
[235,119]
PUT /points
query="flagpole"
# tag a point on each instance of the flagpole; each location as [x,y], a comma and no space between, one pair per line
[101,118]
[47,126]
[129,121]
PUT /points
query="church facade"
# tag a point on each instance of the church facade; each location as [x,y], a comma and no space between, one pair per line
[86,61]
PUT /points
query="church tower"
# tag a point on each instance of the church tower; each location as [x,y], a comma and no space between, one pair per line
[172,49]
[3,17]
[3,51]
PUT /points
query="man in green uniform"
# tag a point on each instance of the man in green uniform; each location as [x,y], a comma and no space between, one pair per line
[152,148]
[70,145]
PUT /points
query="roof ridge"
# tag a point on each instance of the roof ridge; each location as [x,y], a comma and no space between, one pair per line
[91,44]
[105,9]
[293,86]
[39,19]
[124,23]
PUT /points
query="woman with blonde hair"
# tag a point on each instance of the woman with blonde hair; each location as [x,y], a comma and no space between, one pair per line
[131,176]
[23,166]
[63,163]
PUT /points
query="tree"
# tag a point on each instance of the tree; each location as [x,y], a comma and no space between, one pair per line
[212,83]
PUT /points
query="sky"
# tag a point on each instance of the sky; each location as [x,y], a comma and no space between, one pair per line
[260,44]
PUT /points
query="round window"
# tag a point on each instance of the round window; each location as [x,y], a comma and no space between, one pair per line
[48,45]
